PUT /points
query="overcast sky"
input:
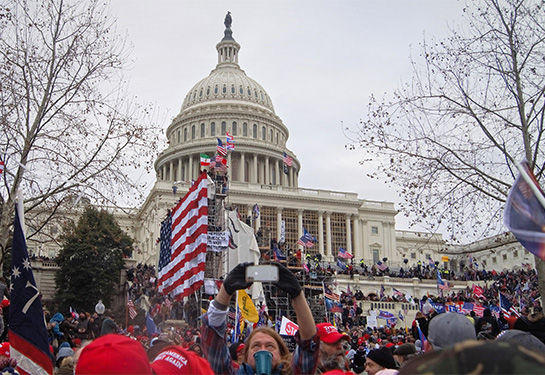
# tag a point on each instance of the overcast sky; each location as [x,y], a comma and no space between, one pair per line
[319,61]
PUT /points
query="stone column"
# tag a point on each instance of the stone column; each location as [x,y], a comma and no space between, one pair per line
[277,173]
[328,233]
[191,168]
[291,184]
[267,171]
[278,222]
[242,167]
[365,249]
[348,235]
[180,163]
[254,169]
[321,232]
[299,223]
[358,251]
[229,161]
[171,171]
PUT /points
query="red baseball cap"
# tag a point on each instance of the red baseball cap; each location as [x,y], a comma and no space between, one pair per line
[329,334]
[4,349]
[177,361]
[113,354]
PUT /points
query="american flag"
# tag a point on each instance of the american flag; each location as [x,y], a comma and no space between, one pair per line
[2,165]
[466,308]
[329,294]
[288,160]
[479,310]
[344,254]
[181,265]
[397,292]
[506,307]
[27,330]
[131,308]
[220,148]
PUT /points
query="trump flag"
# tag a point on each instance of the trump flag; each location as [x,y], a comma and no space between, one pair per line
[524,213]
[27,330]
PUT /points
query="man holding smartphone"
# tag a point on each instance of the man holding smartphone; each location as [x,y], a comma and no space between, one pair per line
[305,358]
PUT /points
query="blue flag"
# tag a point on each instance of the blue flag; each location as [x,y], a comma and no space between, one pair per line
[150,325]
[524,214]
[27,330]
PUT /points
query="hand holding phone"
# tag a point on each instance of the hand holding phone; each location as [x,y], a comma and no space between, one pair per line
[263,273]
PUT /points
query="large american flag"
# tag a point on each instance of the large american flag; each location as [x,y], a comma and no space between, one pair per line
[181,265]
[27,330]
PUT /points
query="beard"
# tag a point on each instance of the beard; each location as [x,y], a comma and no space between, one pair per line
[336,361]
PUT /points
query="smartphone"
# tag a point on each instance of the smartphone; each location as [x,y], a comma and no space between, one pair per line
[263,273]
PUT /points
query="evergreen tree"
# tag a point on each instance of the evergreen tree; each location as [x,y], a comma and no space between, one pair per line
[90,261]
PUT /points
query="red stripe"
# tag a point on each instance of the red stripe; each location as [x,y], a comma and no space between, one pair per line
[185,276]
[176,267]
[31,352]
[203,228]
[188,274]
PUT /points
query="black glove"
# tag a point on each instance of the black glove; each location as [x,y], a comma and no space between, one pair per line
[236,279]
[287,281]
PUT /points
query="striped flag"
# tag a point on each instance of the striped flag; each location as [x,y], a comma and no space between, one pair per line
[181,265]
[27,330]
[479,310]
[220,148]
[2,166]
[131,308]
[229,141]
[205,160]
[288,160]
[344,254]
[506,307]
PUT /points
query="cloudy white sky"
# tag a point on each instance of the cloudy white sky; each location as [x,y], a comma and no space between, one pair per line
[319,60]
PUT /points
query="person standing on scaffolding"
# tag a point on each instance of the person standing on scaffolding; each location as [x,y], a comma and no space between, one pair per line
[305,358]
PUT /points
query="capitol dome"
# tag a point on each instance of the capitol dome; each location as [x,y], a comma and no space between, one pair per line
[228,102]
[227,82]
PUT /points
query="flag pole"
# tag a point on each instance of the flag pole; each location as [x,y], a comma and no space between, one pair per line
[531,183]
[127,311]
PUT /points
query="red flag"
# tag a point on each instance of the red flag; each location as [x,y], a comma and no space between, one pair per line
[184,274]
[2,165]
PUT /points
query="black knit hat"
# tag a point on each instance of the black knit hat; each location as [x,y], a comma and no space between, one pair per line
[383,357]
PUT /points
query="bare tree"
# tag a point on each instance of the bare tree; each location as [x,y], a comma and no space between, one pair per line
[69,128]
[475,106]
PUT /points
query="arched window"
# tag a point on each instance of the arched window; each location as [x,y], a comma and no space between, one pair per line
[216,89]
[254,132]
[244,129]
[224,89]
[234,127]
[213,129]
[193,132]
[223,127]
[185,134]
[203,131]
[263,133]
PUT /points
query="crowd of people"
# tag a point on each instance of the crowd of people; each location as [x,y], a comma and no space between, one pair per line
[82,342]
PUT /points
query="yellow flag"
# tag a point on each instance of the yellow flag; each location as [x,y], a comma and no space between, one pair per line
[247,307]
